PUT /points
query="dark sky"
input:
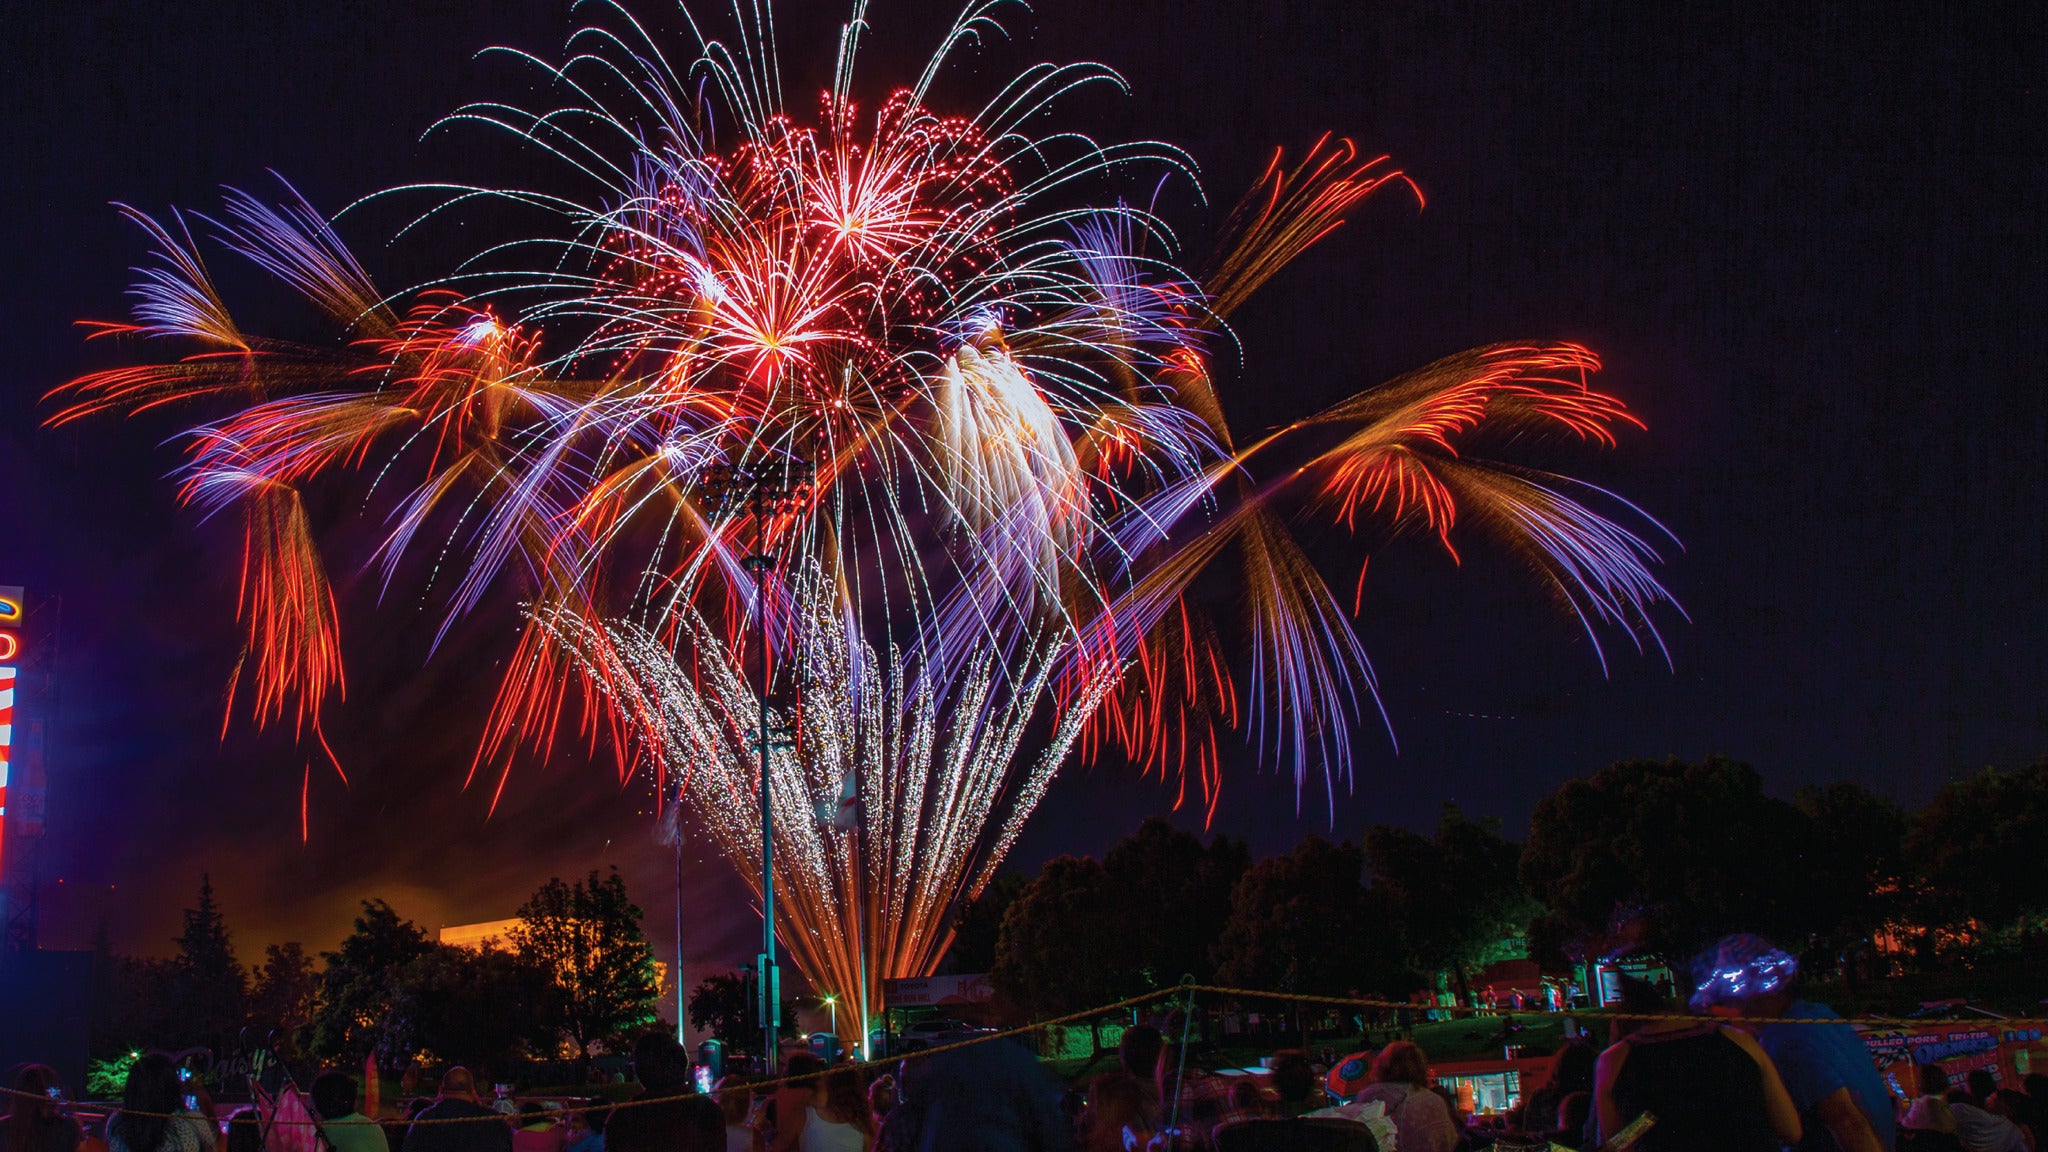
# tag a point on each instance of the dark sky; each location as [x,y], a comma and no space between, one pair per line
[1807,240]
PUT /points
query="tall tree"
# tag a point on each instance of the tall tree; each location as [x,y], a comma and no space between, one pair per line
[465,1005]
[1665,854]
[212,989]
[1062,942]
[357,985]
[1306,922]
[1852,868]
[980,924]
[1457,896]
[108,1032]
[586,938]
[1085,933]
[1978,843]
[718,1005]
[144,1007]
[1178,889]
[284,992]
[721,1005]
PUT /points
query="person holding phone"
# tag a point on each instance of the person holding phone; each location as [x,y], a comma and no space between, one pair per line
[668,1115]
[245,1132]
[37,1119]
[161,1111]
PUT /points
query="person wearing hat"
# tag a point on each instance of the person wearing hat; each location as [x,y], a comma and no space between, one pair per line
[1826,1067]
[1704,1086]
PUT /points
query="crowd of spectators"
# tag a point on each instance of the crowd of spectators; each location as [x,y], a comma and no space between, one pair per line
[1705,1074]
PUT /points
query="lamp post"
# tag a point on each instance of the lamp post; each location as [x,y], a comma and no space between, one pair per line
[762,489]
[832,1002]
[682,997]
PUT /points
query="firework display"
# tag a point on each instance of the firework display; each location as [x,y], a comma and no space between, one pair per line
[992,388]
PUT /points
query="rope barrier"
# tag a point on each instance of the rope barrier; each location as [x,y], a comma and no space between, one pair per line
[1604,1013]
[1190,989]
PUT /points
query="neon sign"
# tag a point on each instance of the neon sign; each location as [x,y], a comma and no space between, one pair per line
[11,613]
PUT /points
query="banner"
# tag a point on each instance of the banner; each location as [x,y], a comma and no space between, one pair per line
[933,991]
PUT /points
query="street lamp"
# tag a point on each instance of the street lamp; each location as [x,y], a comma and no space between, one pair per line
[832,1002]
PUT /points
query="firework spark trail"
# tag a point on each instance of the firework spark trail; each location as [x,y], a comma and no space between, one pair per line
[934,758]
[1002,390]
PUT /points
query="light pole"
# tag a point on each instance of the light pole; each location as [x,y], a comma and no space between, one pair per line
[763,489]
[832,1002]
[683,1007]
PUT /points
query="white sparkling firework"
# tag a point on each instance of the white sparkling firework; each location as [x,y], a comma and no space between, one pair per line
[1017,459]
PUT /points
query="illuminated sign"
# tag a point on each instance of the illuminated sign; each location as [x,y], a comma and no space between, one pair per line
[6,728]
[12,611]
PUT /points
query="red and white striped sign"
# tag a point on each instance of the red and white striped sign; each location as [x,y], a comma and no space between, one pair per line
[12,605]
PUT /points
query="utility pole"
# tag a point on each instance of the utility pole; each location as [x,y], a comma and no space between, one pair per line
[763,490]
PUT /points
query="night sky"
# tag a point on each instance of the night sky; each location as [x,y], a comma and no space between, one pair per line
[1808,241]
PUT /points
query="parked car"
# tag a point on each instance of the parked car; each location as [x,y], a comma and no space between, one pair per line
[934,1033]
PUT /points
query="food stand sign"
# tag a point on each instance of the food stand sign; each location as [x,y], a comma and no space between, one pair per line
[933,991]
[1959,1049]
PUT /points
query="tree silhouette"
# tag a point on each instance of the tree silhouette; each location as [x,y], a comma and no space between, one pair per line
[585,938]
[1062,941]
[1176,895]
[1306,922]
[285,991]
[979,926]
[720,1005]
[1852,866]
[468,1006]
[1084,932]
[1457,896]
[1666,855]
[358,984]
[211,989]
[1978,843]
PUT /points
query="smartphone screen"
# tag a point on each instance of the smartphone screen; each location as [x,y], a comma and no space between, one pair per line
[191,1103]
[703,1077]
[54,1092]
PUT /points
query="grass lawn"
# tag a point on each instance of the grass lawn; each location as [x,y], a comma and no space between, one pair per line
[1480,1039]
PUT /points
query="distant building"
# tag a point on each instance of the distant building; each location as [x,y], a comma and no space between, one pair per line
[1520,985]
[1600,979]
[472,936]
[499,932]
